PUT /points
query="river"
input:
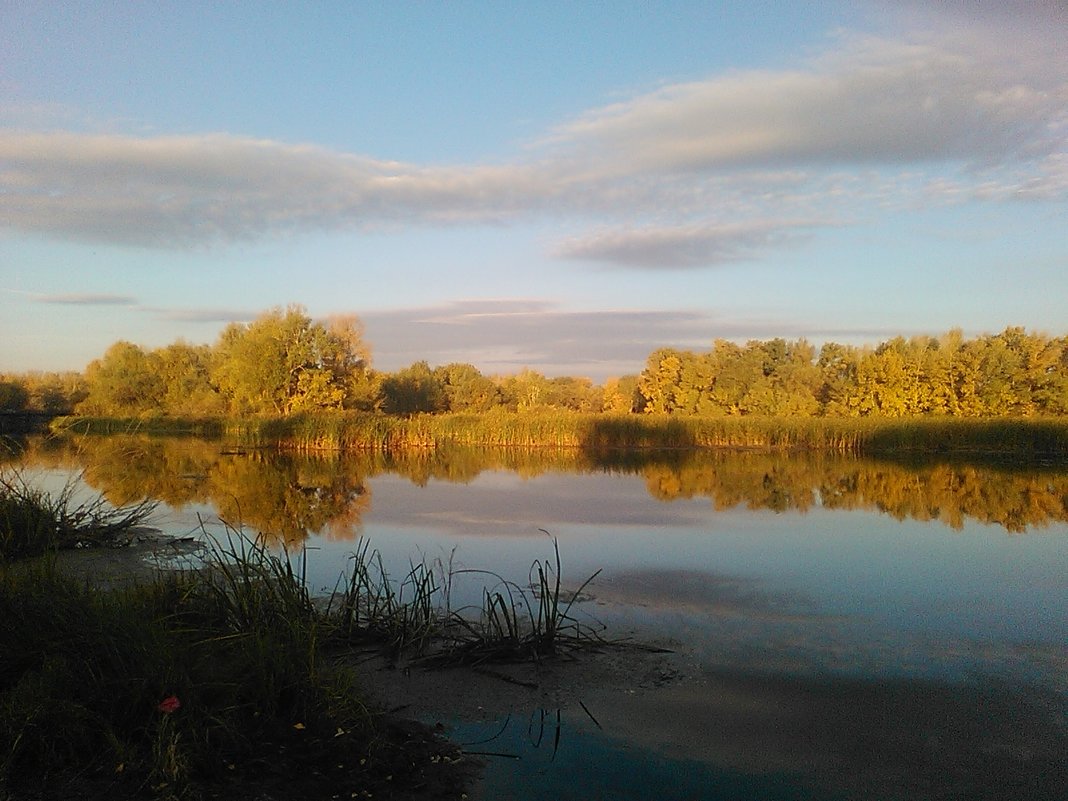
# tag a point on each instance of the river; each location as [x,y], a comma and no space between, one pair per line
[840,628]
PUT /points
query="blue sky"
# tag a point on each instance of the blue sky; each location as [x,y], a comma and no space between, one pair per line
[560,186]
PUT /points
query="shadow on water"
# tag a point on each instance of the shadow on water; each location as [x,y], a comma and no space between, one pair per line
[753,736]
[569,761]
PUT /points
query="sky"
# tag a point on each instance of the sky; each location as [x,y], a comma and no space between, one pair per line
[560,186]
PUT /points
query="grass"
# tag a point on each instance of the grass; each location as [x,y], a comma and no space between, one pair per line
[33,522]
[601,433]
[414,616]
[218,681]
[228,680]
[368,607]
[517,623]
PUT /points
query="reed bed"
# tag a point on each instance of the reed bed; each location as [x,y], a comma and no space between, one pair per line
[601,433]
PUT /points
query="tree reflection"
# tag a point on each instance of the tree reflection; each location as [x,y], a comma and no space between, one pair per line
[1015,499]
[281,495]
[288,495]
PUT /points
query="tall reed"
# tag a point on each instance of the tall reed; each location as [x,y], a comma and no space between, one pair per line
[33,522]
[598,433]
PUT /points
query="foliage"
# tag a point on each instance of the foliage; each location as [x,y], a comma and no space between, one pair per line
[13,396]
[126,380]
[196,681]
[283,363]
[414,390]
[1013,373]
[48,393]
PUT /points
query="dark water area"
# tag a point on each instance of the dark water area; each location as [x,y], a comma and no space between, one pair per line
[839,628]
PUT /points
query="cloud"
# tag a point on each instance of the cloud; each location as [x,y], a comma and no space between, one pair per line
[189,190]
[506,336]
[682,246]
[88,299]
[872,101]
[978,105]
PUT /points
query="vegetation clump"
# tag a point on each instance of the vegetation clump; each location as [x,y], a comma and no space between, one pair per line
[231,679]
[32,522]
[195,685]
[416,617]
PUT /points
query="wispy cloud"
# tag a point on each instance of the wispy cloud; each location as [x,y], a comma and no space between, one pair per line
[872,101]
[683,246]
[88,299]
[196,190]
[505,336]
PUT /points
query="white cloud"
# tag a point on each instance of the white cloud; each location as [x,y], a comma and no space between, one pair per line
[186,190]
[985,109]
[871,102]
[88,299]
[683,246]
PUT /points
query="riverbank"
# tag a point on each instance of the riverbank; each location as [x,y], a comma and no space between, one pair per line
[123,677]
[1023,438]
[632,723]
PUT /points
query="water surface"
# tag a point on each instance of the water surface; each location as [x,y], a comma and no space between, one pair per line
[901,624]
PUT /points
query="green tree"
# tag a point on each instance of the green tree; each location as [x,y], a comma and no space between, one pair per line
[413,390]
[576,394]
[283,362]
[124,381]
[466,389]
[186,373]
[525,391]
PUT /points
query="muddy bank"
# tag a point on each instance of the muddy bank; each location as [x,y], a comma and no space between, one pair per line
[626,723]
[140,556]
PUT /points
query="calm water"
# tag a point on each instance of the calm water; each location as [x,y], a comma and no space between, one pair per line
[820,571]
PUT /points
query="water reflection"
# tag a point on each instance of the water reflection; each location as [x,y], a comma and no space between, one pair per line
[288,495]
[824,654]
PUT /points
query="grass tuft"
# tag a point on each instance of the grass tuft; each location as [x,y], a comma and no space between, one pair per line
[32,522]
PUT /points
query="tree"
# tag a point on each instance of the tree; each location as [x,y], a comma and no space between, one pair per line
[283,363]
[660,381]
[620,395]
[525,391]
[466,389]
[186,374]
[576,394]
[414,390]
[124,381]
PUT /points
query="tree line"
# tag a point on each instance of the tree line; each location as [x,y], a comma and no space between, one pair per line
[1013,373]
[284,363]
